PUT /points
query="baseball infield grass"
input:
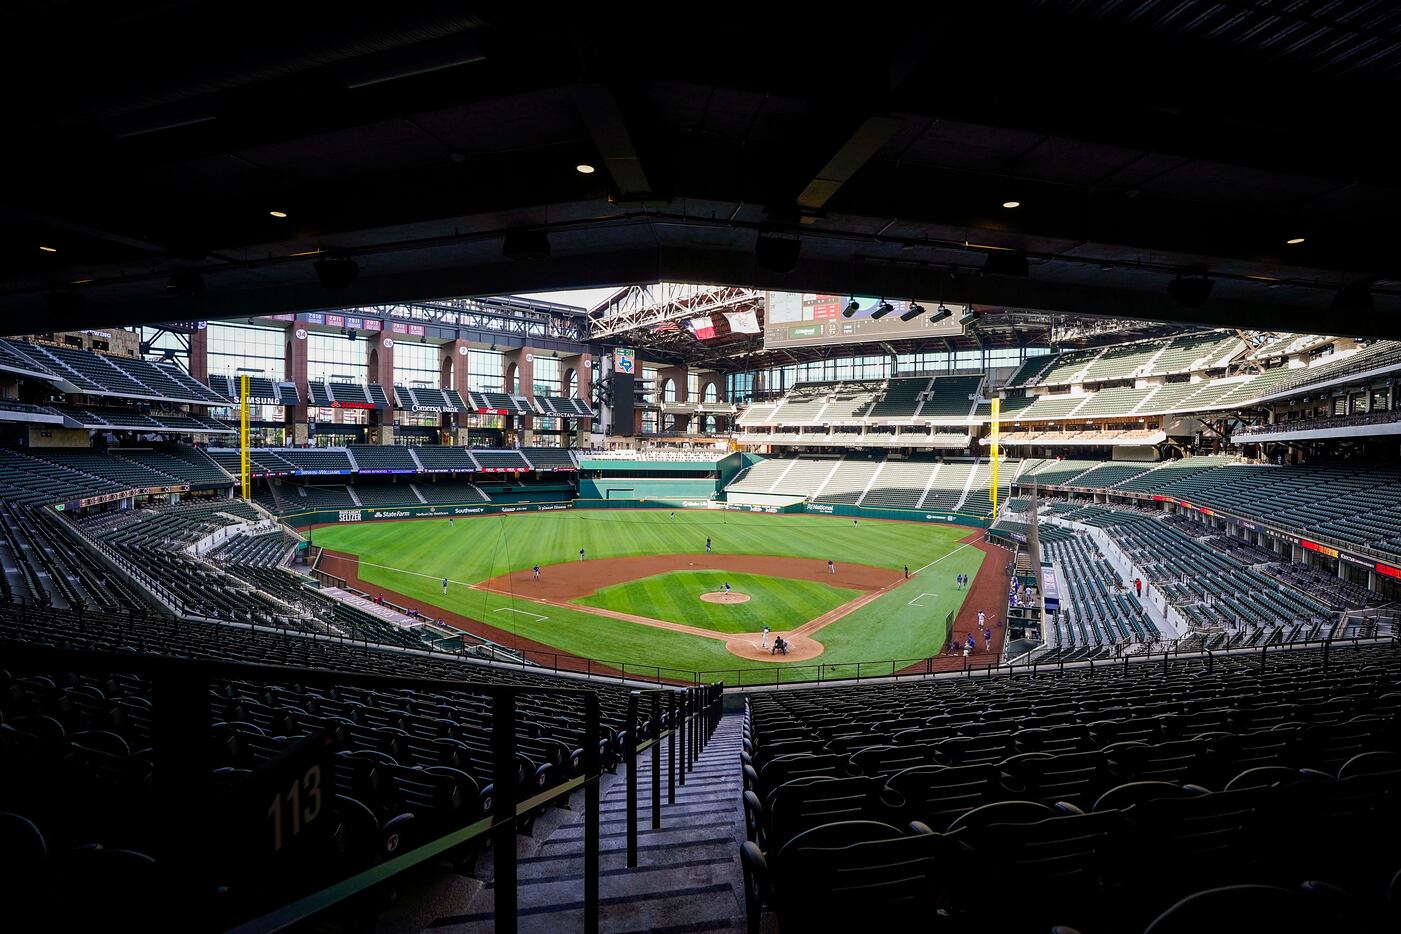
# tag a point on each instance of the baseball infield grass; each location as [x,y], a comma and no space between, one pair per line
[908,622]
[675,597]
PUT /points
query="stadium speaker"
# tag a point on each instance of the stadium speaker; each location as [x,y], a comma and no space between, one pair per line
[883,309]
[916,309]
[526,244]
[1191,292]
[185,282]
[336,272]
[1008,263]
[776,251]
[850,309]
[1355,297]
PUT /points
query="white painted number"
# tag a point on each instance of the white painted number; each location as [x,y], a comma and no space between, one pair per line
[295,812]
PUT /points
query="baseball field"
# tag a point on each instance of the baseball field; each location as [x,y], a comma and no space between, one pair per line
[647,593]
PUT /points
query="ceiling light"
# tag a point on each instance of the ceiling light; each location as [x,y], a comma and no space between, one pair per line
[881,310]
[49,249]
[278,214]
[850,309]
[1294,241]
[1191,292]
[915,311]
[583,168]
[1011,204]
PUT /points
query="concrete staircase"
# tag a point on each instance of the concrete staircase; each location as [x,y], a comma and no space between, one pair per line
[687,878]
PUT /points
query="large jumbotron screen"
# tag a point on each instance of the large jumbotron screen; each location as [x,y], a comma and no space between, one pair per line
[805,319]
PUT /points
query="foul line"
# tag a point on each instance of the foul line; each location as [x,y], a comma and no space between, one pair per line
[507,609]
[937,560]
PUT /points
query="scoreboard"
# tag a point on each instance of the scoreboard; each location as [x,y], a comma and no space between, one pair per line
[808,319]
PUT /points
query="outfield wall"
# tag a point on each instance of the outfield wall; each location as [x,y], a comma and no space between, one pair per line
[304,520]
[668,491]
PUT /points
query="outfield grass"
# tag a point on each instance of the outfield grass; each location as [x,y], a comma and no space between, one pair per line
[675,597]
[412,558]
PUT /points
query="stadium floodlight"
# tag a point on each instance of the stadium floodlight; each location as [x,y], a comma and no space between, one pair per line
[942,313]
[968,318]
[850,308]
[916,309]
[883,309]
[1355,297]
[1191,292]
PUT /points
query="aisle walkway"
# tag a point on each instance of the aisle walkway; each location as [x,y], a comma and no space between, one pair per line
[687,879]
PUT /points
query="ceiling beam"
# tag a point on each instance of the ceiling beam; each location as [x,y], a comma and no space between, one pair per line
[603,118]
[873,133]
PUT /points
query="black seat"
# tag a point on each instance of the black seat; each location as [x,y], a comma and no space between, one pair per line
[935,795]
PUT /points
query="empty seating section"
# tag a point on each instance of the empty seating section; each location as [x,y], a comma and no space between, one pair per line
[901,398]
[755,415]
[549,458]
[126,474]
[106,374]
[899,485]
[1170,472]
[1212,589]
[296,497]
[1188,352]
[1053,406]
[802,405]
[1104,475]
[318,394]
[445,458]
[495,402]
[1382,355]
[1030,371]
[946,488]
[950,397]
[181,462]
[806,478]
[377,396]
[228,386]
[353,393]
[1110,795]
[1055,472]
[40,565]
[1124,361]
[979,499]
[849,482]
[387,494]
[1097,610]
[502,460]
[383,457]
[1120,400]
[760,477]
[450,492]
[411,766]
[1068,368]
[309,460]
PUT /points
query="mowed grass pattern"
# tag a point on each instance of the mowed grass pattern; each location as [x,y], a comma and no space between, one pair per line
[412,558]
[675,597]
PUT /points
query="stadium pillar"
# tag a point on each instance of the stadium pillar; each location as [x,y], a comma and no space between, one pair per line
[295,368]
[199,355]
[521,364]
[379,368]
[582,367]
[680,377]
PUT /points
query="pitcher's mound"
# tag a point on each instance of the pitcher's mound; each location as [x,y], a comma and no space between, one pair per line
[800,648]
[719,596]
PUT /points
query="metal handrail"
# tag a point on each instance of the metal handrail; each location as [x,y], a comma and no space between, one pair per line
[181,709]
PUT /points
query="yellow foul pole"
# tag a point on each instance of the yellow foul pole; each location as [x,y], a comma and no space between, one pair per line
[996,434]
[243,433]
